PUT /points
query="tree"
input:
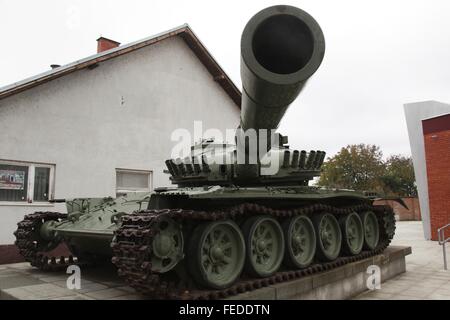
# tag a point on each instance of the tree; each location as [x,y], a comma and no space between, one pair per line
[361,167]
[399,177]
[356,167]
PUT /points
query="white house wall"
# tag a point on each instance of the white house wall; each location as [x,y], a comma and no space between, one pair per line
[118,115]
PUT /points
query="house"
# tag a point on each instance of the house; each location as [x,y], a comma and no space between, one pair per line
[102,125]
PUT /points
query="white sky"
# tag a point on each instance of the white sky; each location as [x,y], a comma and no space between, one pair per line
[380,54]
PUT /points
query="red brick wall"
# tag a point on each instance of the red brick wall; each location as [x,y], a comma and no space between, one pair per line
[437,155]
[412,213]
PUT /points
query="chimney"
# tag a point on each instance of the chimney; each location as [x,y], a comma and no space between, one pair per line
[104,44]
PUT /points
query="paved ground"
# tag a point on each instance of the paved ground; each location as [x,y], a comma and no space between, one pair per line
[425,277]
[19,280]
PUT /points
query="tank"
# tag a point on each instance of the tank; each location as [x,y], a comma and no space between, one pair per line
[239,216]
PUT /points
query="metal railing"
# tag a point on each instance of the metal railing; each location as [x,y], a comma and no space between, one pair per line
[442,241]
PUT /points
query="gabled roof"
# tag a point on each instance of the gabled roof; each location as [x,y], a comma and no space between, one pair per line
[183,31]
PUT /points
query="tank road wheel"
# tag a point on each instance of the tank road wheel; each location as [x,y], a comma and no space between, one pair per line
[300,241]
[353,233]
[265,245]
[216,254]
[371,230]
[329,237]
[167,245]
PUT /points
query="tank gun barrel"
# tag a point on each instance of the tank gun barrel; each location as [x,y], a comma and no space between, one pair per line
[281,47]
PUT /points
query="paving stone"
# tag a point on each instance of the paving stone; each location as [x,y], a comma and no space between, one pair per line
[431,281]
[403,297]
[377,294]
[21,266]
[9,273]
[130,297]
[412,277]
[106,293]
[443,290]
[439,277]
[74,297]
[366,298]
[86,286]
[91,287]
[127,289]
[37,292]
[424,283]
[393,288]
[17,281]
[55,278]
[113,284]
[437,296]
[406,283]
[419,292]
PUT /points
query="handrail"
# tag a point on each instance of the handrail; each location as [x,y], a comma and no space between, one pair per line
[442,240]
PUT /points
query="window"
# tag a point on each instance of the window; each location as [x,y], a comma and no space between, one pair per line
[132,181]
[25,182]
[41,184]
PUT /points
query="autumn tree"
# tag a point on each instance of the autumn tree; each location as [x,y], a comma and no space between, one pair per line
[356,167]
[399,176]
[361,167]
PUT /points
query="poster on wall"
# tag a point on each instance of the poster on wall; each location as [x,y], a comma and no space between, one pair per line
[12,179]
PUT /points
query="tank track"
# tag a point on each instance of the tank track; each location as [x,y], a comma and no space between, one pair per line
[28,243]
[132,247]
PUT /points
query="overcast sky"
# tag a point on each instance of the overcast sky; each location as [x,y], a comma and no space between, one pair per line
[379,55]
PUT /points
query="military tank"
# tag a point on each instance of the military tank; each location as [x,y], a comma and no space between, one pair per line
[227,226]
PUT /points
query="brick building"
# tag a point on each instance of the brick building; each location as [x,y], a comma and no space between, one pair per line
[436,133]
[429,134]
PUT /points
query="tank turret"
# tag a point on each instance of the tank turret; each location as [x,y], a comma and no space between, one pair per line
[281,48]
